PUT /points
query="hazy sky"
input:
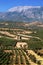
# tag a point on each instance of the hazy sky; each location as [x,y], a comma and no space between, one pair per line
[6,4]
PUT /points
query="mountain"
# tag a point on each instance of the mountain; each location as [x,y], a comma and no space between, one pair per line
[23,13]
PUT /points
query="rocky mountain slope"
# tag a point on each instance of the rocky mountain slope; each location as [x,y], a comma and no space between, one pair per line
[23,13]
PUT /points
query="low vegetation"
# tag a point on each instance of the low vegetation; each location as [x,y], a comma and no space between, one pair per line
[10,54]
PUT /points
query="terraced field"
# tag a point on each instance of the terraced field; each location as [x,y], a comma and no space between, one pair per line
[20,57]
[11,55]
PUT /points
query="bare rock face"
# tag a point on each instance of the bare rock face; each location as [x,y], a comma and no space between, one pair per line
[23,13]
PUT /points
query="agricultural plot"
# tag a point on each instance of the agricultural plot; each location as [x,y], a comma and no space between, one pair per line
[9,37]
[20,57]
[4,58]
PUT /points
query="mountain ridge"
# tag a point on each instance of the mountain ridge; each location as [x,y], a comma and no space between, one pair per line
[23,13]
[17,8]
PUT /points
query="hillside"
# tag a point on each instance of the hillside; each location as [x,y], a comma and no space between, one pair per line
[23,13]
[21,36]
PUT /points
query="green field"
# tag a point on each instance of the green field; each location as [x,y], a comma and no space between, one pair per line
[11,34]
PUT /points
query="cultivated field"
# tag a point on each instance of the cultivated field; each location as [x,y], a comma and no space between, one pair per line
[20,57]
[21,44]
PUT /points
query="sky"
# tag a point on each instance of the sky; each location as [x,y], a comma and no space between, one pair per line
[7,4]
